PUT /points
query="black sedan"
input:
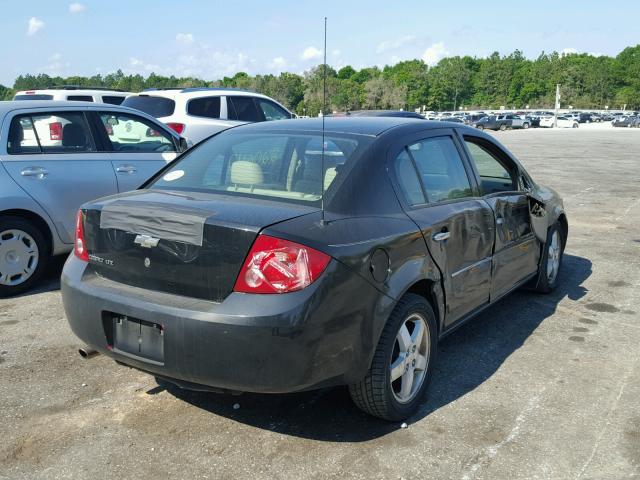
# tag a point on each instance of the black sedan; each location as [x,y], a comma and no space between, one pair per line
[280,257]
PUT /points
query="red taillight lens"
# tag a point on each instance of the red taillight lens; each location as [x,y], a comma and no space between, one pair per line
[80,247]
[279,266]
[55,131]
[177,127]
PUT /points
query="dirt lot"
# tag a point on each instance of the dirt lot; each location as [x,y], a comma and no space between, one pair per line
[537,387]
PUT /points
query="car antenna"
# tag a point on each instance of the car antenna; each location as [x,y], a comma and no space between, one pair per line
[324,112]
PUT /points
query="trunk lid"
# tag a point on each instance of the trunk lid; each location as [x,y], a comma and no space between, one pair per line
[190,244]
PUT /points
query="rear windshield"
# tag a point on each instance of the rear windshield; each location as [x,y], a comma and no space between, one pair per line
[33,97]
[288,166]
[154,106]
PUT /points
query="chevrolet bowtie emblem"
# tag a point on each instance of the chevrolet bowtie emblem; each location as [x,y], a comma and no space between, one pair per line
[146,241]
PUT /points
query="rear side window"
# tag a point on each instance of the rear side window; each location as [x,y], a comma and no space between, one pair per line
[112,99]
[243,109]
[208,107]
[154,106]
[440,169]
[129,133]
[33,97]
[272,111]
[80,98]
[56,132]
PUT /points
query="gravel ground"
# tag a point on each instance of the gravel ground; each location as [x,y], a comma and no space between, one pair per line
[539,386]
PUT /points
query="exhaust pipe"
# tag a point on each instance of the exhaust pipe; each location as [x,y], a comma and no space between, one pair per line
[87,352]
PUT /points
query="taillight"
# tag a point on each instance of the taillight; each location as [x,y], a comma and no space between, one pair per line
[177,127]
[55,131]
[80,247]
[279,266]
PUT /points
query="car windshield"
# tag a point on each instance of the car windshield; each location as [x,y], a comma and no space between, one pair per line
[289,166]
[154,106]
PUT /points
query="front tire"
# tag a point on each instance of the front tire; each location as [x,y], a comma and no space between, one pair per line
[503,127]
[525,125]
[402,365]
[551,261]
[24,255]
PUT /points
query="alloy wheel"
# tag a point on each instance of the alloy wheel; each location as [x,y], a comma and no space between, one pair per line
[553,257]
[410,358]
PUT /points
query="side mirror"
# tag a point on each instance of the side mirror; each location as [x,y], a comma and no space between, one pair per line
[184,146]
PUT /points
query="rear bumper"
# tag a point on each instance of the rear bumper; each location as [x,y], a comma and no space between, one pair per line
[257,343]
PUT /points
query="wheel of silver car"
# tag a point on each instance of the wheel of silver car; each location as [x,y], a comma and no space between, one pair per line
[18,257]
[23,255]
[402,364]
[480,127]
[525,125]
[503,127]
[554,251]
[410,358]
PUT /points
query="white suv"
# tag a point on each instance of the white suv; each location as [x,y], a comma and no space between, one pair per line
[70,94]
[197,113]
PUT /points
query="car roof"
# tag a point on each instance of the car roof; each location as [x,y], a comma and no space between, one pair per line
[27,104]
[174,93]
[371,126]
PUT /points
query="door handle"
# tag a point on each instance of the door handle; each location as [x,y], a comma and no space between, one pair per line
[126,169]
[38,172]
[441,236]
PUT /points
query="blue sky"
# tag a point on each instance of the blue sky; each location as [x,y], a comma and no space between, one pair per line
[210,39]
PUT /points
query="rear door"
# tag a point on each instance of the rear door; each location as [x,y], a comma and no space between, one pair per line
[438,191]
[516,250]
[52,156]
[136,146]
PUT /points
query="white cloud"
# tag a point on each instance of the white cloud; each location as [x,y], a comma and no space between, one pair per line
[568,51]
[35,24]
[278,63]
[56,65]
[310,53]
[395,44]
[77,8]
[435,53]
[140,65]
[185,38]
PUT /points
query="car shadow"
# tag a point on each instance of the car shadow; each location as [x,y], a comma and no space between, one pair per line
[467,358]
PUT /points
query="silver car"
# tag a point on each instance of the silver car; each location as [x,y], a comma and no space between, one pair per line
[54,156]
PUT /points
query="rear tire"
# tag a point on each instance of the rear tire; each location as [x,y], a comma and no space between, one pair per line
[404,352]
[503,127]
[480,127]
[551,260]
[24,255]
[525,125]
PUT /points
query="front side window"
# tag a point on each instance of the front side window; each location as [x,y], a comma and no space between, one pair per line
[243,108]
[440,169]
[271,111]
[494,174]
[288,166]
[56,132]
[128,133]
[208,107]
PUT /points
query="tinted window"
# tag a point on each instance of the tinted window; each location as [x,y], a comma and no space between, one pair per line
[59,132]
[154,106]
[441,169]
[494,175]
[33,97]
[286,166]
[271,111]
[80,98]
[112,99]
[128,133]
[243,109]
[208,107]
[408,179]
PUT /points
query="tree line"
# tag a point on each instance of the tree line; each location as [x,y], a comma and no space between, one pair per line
[511,80]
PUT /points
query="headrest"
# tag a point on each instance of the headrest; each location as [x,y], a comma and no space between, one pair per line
[73,135]
[246,173]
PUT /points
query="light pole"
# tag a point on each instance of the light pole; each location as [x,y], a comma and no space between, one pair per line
[555,118]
